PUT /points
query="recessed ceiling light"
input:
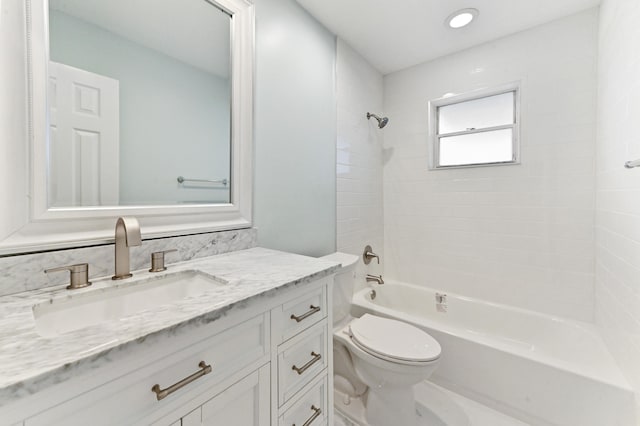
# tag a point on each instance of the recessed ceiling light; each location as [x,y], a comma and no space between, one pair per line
[461,18]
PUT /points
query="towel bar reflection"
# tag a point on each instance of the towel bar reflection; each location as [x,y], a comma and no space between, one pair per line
[184,179]
[632,164]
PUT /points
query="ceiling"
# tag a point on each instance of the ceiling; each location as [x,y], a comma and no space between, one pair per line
[194,32]
[396,34]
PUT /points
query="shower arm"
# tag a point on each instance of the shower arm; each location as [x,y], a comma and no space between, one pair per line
[382,121]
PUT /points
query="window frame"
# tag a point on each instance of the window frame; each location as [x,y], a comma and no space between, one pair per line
[435,136]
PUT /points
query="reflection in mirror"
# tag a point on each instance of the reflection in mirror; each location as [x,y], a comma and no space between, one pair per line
[139,95]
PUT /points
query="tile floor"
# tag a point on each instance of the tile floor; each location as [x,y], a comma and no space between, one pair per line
[452,410]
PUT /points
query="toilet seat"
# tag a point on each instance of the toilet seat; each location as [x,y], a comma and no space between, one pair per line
[393,340]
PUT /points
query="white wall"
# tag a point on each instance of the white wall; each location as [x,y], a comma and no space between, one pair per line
[13,118]
[617,307]
[359,157]
[522,234]
[295,130]
[170,111]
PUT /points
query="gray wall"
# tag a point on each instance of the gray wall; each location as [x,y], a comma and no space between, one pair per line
[295,130]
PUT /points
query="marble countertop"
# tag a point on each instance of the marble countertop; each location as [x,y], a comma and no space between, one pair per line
[30,362]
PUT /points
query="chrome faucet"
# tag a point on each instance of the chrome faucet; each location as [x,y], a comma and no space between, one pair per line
[375,278]
[127,235]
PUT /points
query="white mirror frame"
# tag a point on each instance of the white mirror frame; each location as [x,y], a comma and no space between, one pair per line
[54,228]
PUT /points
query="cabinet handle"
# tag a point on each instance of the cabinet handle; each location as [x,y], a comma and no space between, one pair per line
[313,310]
[313,416]
[163,393]
[300,370]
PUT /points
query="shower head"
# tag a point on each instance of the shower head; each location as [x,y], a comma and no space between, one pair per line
[381,121]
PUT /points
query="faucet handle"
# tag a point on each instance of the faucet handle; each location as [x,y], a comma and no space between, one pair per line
[79,275]
[368,255]
[157,260]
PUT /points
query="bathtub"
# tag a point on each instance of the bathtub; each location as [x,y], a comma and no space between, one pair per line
[541,369]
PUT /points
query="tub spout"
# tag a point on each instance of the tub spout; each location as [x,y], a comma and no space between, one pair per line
[375,278]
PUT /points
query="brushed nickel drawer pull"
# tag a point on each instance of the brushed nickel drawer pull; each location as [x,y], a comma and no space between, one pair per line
[313,310]
[300,370]
[163,393]
[313,416]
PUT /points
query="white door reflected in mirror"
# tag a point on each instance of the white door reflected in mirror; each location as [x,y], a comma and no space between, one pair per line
[84,138]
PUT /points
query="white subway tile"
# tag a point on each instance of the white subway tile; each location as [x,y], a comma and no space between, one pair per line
[617,302]
[359,155]
[511,233]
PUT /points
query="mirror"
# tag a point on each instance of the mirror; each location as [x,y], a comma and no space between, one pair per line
[125,97]
[139,103]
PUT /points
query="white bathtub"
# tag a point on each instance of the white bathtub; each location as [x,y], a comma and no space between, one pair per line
[540,369]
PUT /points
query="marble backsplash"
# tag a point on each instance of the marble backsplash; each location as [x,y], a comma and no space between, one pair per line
[26,272]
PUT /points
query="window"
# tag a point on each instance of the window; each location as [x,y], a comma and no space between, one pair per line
[475,129]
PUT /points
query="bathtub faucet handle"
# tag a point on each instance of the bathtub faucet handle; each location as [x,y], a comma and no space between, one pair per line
[368,255]
[441,298]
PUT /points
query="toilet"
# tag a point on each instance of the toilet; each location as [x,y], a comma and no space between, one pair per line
[377,361]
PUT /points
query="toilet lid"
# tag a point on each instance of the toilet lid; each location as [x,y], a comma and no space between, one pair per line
[393,339]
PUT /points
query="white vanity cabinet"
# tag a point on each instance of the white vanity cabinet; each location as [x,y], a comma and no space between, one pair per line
[231,355]
[302,359]
[246,402]
[265,363]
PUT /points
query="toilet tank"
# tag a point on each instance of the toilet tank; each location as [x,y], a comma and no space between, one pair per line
[344,285]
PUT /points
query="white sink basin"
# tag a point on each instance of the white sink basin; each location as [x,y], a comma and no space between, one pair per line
[112,303]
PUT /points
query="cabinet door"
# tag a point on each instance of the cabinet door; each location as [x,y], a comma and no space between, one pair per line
[301,359]
[246,403]
[194,418]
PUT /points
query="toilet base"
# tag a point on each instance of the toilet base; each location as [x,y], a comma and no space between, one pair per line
[432,408]
[354,410]
[389,406]
[350,408]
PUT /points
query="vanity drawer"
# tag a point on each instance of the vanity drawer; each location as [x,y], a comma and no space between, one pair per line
[310,407]
[300,313]
[300,360]
[129,397]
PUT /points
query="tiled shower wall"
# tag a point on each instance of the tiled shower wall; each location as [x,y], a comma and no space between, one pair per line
[520,234]
[359,157]
[617,306]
